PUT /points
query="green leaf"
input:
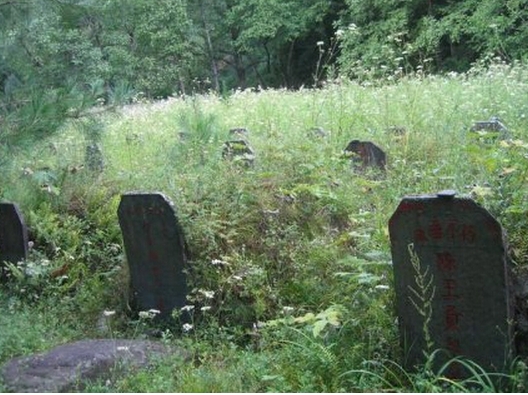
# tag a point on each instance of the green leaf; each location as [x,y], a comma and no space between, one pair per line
[308,317]
[318,327]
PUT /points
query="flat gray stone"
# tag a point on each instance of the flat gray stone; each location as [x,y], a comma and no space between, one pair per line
[65,368]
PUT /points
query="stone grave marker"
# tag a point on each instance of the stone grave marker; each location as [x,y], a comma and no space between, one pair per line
[13,236]
[397,130]
[318,132]
[239,132]
[450,251]
[156,252]
[238,151]
[490,130]
[366,154]
[94,158]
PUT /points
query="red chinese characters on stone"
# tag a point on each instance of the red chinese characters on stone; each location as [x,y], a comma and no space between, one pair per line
[455,369]
[445,262]
[420,237]
[449,231]
[452,316]
[468,234]
[435,230]
[446,265]
[453,345]
[450,290]
[152,254]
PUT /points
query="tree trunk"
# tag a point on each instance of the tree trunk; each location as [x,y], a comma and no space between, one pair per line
[210,50]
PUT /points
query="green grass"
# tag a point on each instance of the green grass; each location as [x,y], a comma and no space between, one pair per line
[304,299]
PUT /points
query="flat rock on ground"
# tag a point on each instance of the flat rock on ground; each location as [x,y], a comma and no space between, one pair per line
[66,367]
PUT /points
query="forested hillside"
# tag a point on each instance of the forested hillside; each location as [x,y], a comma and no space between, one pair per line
[60,57]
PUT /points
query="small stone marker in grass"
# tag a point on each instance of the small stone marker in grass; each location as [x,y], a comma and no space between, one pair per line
[94,158]
[13,236]
[239,151]
[366,154]
[452,281]
[156,252]
[490,130]
[397,130]
[318,132]
[239,132]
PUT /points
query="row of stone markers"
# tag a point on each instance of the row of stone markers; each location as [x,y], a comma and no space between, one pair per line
[452,273]
[154,245]
[363,154]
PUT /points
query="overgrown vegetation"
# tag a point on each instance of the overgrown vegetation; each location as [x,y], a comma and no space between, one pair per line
[60,58]
[290,268]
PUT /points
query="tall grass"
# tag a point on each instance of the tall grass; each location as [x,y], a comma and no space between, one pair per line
[290,259]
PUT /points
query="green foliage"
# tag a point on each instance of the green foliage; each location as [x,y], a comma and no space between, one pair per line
[45,70]
[146,46]
[60,58]
[27,329]
[387,38]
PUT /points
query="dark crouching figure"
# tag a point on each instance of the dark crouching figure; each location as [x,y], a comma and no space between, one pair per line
[366,154]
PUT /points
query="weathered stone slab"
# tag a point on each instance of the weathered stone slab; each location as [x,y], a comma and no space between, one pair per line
[239,132]
[366,154]
[13,236]
[318,132]
[458,279]
[490,130]
[397,130]
[238,151]
[156,252]
[68,367]
[94,158]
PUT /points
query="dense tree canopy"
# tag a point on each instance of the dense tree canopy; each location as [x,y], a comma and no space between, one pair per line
[60,57]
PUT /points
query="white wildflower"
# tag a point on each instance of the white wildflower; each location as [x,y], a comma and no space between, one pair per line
[188,307]
[381,286]
[287,309]
[218,262]
[320,43]
[205,308]
[109,313]
[150,314]
[207,294]
[187,327]
[144,314]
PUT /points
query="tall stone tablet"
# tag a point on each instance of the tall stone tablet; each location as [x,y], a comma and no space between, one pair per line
[156,252]
[13,236]
[451,274]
